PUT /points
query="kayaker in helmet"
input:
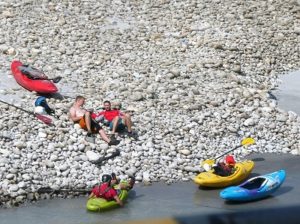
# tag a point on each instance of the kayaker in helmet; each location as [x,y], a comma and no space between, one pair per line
[225,168]
[107,190]
[83,117]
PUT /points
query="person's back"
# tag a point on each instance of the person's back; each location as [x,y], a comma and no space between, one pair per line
[105,191]
[31,72]
[221,169]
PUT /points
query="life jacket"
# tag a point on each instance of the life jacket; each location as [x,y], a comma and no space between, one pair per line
[222,169]
[103,192]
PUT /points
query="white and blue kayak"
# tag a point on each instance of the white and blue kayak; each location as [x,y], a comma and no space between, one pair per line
[254,188]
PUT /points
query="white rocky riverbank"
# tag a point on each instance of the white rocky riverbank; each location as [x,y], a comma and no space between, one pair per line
[198,74]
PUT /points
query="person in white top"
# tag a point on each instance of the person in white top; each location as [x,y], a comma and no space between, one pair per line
[83,117]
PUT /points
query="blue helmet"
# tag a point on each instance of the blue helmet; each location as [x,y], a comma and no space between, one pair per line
[40,101]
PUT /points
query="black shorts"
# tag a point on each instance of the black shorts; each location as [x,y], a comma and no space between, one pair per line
[95,126]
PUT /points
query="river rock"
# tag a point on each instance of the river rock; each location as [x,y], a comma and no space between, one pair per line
[92,156]
[185,152]
[10,176]
[14,188]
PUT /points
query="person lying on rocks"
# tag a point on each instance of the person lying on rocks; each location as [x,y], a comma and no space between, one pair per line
[42,107]
[110,188]
[83,117]
[115,119]
[32,73]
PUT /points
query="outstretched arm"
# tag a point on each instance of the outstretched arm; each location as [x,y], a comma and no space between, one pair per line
[118,200]
[91,195]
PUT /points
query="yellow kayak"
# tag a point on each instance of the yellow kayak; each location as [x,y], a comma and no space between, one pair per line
[209,179]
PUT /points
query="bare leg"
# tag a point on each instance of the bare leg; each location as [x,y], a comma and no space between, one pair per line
[104,136]
[127,121]
[115,124]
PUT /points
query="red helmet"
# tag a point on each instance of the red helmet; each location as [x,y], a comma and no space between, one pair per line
[229,160]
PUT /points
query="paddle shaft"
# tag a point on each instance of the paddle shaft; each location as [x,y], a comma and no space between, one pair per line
[100,160]
[39,116]
[48,190]
[228,151]
[29,112]
[56,79]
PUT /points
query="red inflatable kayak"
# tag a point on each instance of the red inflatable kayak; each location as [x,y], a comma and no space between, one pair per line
[36,85]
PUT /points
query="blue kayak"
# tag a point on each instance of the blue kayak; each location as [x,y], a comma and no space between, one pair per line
[255,188]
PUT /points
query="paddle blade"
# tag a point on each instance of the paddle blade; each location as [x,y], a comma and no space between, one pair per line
[44,119]
[57,79]
[207,164]
[248,141]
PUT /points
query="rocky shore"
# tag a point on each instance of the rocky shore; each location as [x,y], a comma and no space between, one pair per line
[197,73]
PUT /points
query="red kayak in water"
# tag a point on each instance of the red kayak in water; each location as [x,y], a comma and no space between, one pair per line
[36,85]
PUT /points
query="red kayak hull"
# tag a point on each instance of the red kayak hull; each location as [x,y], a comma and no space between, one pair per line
[39,86]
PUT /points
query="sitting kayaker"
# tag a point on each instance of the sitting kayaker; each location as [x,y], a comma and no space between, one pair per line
[225,168]
[108,190]
[123,184]
[32,73]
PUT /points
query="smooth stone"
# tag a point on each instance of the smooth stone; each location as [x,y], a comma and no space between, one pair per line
[53,157]
[92,156]
[4,161]
[19,145]
[5,152]
[10,176]
[81,147]
[49,164]
[22,184]
[26,177]
[77,126]
[14,188]
[249,122]
[131,171]
[63,167]
[42,135]
[103,147]
[185,152]
[282,118]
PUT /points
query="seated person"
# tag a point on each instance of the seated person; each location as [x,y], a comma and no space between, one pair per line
[83,117]
[32,73]
[107,190]
[226,168]
[115,119]
[119,185]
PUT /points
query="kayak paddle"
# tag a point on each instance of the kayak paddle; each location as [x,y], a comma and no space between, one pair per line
[49,190]
[100,160]
[43,118]
[56,79]
[245,142]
